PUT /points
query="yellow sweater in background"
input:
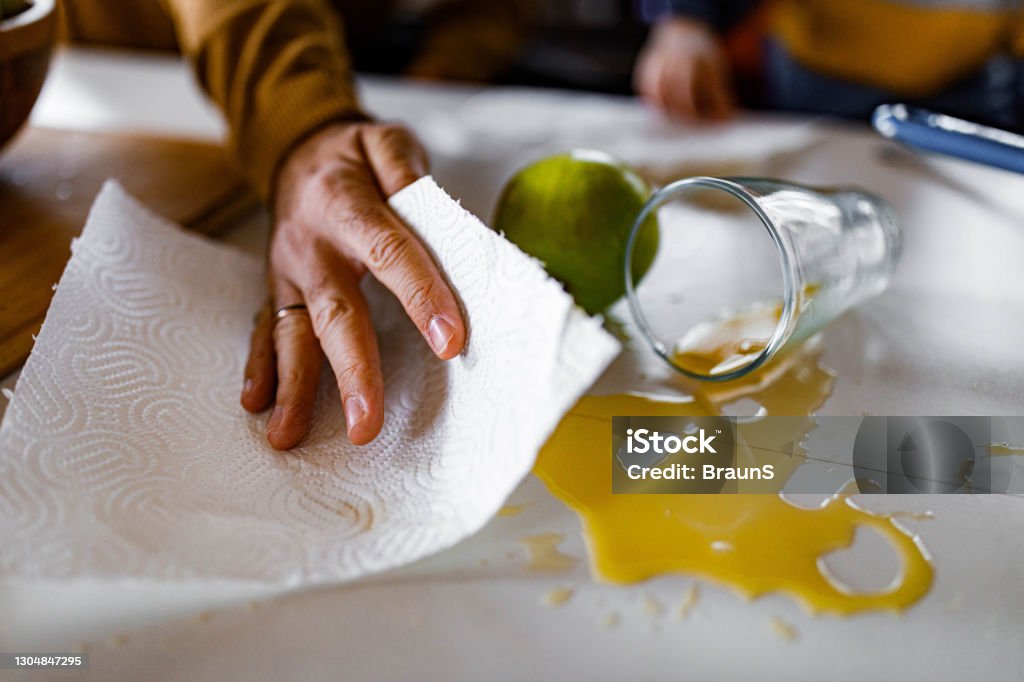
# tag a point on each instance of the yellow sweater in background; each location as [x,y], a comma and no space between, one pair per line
[910,47]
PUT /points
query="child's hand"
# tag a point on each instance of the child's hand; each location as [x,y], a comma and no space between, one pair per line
[683,71]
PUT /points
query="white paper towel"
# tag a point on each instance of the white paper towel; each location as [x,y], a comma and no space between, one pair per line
[125,453]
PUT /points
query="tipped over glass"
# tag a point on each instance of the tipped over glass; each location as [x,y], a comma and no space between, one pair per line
[748,267]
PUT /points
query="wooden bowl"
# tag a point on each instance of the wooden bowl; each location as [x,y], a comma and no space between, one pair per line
[26,40]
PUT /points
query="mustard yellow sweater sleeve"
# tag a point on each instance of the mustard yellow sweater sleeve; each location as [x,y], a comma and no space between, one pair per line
[278,69]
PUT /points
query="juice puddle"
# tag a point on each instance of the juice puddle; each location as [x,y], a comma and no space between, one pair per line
[753,543]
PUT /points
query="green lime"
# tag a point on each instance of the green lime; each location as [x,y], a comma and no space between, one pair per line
[574,212]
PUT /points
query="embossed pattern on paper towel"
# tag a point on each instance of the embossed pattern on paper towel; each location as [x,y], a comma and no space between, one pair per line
[124,451]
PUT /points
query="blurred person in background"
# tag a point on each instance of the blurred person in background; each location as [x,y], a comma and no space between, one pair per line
[281,72]
[841,57]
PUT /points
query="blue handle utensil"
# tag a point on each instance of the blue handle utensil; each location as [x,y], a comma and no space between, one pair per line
[951,136]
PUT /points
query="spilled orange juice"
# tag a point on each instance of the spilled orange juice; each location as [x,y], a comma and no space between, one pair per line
[720,346]
[753,543]
[1004,450]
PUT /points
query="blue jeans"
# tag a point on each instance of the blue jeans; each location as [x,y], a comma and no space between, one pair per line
[994,95]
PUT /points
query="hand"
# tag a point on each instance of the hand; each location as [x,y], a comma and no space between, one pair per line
[332,226]
[683,71]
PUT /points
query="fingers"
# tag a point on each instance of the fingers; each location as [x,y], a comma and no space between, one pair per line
[686,77]
[395,155]
[680,95]
[341,321]
[336,320]
[393,253]
[402,264]
[658,84]
[667,81]
[372,235]
[298,372]
[713,91]
[645,80]
[260,369]
[702,91]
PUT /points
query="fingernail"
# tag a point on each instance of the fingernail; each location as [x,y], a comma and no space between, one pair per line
[441,332]
[275,419]
[247,386]
[355,411]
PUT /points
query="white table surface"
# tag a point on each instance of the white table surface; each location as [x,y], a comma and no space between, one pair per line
[946,339]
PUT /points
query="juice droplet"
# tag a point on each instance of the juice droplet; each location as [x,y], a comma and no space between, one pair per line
[783,629]
[557,597]
[543,554]
[653,607]
[511,510]
[690,599]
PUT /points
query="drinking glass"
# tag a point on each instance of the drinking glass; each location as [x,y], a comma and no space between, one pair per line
[748,267]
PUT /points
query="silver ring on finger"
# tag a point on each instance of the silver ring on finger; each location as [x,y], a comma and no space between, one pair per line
[288,310]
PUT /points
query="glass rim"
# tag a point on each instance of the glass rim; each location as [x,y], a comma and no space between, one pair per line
[783,327]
